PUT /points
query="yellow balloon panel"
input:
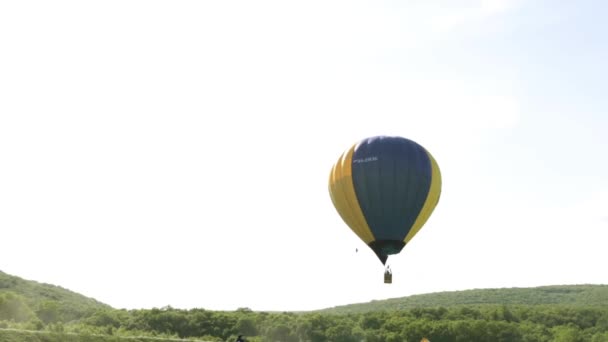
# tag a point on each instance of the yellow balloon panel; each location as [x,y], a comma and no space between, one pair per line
[342,192]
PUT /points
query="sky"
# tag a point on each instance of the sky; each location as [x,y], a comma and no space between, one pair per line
[158,153]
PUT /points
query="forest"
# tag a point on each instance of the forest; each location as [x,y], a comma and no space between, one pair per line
[31,311]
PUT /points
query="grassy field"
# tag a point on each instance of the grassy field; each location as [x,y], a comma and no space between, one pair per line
[12,335]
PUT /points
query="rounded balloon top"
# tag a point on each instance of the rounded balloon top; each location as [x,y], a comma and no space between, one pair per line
[385,188]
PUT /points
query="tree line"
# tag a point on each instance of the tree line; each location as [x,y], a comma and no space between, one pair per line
[487,322]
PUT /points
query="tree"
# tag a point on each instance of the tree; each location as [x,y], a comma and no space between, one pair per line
[566,333]
[246,326]
[49,311]
[14,308]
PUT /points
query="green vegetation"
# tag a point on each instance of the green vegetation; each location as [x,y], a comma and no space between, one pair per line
[50,303]
[578,295]
[554,313]
[41,336]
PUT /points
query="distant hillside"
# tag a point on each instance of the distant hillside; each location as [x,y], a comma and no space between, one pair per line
[578,295]
[33,312]
[49,302]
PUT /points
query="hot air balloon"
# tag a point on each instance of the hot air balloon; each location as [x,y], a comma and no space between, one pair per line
[385,188]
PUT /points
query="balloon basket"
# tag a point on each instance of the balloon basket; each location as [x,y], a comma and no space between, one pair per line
[388,278]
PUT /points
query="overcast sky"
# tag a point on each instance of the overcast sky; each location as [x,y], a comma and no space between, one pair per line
[177,153]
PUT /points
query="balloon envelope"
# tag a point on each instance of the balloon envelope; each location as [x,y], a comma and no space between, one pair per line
[385,188]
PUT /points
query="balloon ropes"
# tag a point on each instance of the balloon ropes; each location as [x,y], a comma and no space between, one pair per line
[385,188]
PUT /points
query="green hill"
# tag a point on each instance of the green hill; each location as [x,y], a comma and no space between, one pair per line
[50,303]
[31,311]
[577,295]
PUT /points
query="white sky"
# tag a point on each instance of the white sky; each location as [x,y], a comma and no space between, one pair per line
[160,153]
